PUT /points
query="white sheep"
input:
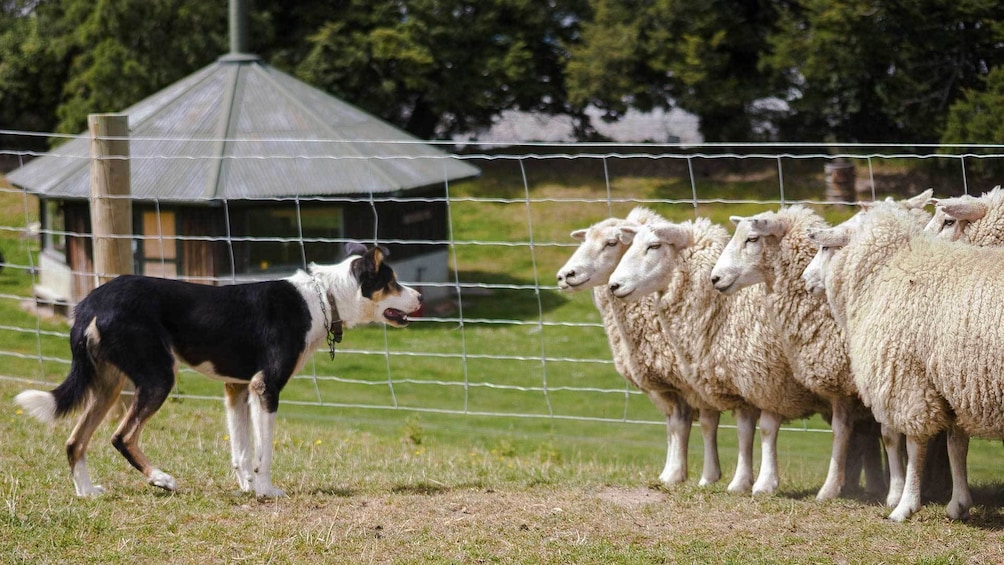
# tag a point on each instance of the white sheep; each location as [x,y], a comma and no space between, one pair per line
[977,221]
[925,336]
[772,248]
[732,354]
[638,353]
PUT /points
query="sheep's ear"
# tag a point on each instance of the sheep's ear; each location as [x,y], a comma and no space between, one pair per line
[579,235]
[968,209]
[354,248]
[674,235]
[626,234]
[769,226]
[829,237]
[736,219]
[919,201]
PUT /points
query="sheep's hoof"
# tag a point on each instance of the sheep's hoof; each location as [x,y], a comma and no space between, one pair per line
[740,485]
[958,511]
[828,492]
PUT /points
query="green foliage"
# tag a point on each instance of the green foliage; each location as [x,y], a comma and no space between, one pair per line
[979,118]
[442,67]
[124,50]
[30,76]
[874,70]
[701,56]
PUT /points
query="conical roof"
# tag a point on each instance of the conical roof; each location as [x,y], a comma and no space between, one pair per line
[241,129]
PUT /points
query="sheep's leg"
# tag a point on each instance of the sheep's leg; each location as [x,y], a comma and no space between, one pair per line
[679,421]
[712,471]
[842,426]
[893,443]
[767,481]
[745,426]
[916,451]
[958,450]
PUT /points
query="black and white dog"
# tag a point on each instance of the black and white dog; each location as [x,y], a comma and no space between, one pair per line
[254,337]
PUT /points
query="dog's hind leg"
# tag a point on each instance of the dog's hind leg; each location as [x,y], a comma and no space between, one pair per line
[263,408]
[239,428]
[151,392]
[104,395]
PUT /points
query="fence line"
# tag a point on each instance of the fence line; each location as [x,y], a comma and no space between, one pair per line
[505,342]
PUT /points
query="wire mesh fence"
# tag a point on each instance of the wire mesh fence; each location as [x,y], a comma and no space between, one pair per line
[497,337]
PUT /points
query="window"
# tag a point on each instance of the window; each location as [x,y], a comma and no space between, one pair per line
[159,257]
[54,229]
[273,238]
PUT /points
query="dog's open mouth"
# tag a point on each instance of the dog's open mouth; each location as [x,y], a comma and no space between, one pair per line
[396,317]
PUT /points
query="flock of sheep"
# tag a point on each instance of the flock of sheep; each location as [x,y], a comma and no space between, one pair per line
[893,316]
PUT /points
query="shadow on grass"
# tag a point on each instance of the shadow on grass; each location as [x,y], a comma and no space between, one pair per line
[492,302]
[335,491]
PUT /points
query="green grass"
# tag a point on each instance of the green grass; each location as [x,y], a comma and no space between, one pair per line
[423,475]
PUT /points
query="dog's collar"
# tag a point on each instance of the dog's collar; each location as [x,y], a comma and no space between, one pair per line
[333,325]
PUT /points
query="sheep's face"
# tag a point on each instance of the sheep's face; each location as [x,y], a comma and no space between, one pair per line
[953,215]
[743,262]
[596,258]
[830,242]
[650,261]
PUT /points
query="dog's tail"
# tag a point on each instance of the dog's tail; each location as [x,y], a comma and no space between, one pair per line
[71,393]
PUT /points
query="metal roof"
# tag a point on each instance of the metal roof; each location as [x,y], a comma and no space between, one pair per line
[241,129]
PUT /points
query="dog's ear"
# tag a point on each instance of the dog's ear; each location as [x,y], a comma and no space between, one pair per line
[354,248]
[366,268]
[375,256]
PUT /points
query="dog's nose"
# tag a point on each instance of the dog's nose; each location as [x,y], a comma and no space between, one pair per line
[420,298]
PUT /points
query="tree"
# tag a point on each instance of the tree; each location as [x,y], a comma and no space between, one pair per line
[121,51]
[879,70]
[700,56]
[978,118]
[441,67]
[30,75]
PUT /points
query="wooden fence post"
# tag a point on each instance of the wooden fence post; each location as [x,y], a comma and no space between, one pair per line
[111,208]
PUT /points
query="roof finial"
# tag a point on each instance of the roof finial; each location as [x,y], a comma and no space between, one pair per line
[238,26]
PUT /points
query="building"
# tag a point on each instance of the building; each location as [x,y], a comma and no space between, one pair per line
[240,171]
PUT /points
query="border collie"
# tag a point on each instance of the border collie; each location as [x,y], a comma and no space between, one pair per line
[254,337]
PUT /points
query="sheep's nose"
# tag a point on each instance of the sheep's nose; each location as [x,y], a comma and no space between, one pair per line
[566,275]
[715,279]
[614,287]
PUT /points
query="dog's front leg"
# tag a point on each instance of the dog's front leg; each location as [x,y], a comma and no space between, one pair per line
[239,428]
[263,422]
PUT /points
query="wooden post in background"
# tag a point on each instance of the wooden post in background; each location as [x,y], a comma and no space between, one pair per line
[111,208]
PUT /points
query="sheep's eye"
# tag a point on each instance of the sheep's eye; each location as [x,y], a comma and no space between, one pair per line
[949,222]
[654,246]
[753,239]
[611,242]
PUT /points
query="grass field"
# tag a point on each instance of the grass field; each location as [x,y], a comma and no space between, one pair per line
[397,483]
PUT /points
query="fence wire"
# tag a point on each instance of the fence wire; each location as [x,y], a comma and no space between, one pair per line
[500,340]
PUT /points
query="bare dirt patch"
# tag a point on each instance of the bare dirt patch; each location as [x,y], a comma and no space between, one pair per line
[631,497]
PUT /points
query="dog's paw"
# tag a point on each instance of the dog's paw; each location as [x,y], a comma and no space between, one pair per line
[161,479]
